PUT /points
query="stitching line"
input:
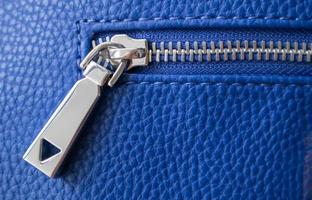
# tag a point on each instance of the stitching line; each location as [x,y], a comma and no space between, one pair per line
[78,58]
[191,18]
[217,84]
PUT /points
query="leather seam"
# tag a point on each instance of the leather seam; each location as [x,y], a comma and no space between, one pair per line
[219,84]
[78,58]
[190,18]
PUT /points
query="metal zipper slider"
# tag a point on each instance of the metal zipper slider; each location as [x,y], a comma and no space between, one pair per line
[59,133]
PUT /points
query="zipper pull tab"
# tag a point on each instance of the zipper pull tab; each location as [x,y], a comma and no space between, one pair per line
[50,147]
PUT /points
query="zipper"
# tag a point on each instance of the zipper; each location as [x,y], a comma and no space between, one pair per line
[105,63]
[221,51]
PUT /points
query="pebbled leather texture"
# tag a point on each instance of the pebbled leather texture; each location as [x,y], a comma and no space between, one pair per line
[156,137]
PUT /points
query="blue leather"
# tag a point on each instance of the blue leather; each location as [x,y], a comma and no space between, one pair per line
[182,137]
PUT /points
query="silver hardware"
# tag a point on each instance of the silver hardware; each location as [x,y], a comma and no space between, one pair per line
[62,128]
[139,57]
[120,69]
[66,121]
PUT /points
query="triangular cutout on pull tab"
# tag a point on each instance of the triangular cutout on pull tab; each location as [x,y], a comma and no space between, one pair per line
[47,150]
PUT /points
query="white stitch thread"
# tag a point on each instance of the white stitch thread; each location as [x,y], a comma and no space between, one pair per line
[191,18]
[216,84]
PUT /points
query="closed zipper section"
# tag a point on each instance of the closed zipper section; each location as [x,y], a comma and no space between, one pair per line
[222,51]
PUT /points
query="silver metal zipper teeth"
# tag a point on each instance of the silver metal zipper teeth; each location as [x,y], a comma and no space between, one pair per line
[227,51]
